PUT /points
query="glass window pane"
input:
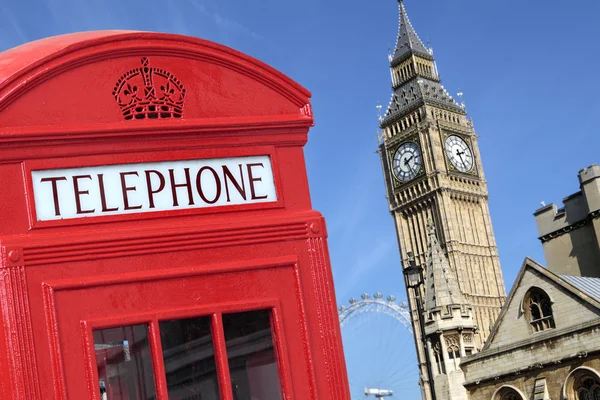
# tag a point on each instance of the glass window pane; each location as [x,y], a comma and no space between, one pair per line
[189,359]
[124,363]
[252,364]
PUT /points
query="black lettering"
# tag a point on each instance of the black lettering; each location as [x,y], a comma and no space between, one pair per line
[199,185]
[55,191]
[152,192]
[125,189]
[252,180]
[103,195]
[187,184]
[229,177]
[78,193]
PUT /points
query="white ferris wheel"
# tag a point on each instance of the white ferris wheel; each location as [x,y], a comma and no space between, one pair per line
[379,348]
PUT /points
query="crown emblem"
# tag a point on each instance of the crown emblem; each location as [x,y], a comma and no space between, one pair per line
[149,92]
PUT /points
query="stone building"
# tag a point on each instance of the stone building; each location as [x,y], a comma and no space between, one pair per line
[433,172]
[546,341]
[571,235]
[545,344]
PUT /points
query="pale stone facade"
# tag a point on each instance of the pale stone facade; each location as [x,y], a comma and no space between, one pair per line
[550,352]
[449,326]
[571,235]
[433,172]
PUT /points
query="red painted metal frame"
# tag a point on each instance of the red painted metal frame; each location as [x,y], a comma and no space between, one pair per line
[59,280]
[213,311]
[133,317]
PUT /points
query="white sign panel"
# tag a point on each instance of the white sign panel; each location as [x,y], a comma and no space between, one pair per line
[147,187]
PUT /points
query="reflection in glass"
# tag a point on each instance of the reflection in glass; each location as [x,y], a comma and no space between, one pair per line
[252,364]
[189,359]
[124,363]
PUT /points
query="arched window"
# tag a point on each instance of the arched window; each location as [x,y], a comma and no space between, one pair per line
[439,359]
[582,384]
[587,388]
[507,393]
[538,309]
[453,347]
[510,395]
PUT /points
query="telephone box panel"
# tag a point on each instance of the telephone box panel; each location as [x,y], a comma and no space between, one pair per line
[158,240]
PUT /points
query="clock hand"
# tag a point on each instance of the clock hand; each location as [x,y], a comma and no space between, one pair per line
[414,167]
[459,154]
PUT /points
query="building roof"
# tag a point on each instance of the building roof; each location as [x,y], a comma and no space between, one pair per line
[513,348]
[588,285]
[416,92]
[408,41]
[591,285]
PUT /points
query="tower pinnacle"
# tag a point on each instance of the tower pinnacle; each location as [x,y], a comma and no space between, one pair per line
[408,42]
[441,283]
[414,73]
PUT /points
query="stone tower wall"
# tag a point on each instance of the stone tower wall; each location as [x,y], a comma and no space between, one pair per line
[570,235]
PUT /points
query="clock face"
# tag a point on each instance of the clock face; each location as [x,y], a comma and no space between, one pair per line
[407,161]
[459,153]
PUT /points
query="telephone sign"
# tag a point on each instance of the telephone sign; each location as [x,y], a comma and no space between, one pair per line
[146,187]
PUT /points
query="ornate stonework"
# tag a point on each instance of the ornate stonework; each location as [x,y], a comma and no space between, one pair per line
[448,185]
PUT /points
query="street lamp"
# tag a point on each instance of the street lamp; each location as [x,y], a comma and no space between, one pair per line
[414,278]
[413,273]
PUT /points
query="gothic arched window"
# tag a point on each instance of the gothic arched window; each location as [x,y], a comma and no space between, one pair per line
[439,359]
[583,384]
[538,309]
[512,395]
[453,348]
[588,389]
[507,393]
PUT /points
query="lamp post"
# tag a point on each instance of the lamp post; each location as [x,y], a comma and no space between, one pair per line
[414,278]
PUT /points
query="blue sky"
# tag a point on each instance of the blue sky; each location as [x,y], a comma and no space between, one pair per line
[528,71]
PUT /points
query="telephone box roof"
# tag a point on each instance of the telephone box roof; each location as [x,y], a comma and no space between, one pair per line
[18,61]
[71,79]
[19,58]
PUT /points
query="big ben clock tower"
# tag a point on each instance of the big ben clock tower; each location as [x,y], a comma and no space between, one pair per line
[438,197]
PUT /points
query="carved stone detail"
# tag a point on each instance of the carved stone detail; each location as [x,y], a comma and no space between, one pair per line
[468,338]
[452,343]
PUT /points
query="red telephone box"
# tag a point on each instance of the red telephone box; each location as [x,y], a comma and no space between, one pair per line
[157,235]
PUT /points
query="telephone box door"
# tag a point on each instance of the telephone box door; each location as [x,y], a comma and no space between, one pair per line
[214,333]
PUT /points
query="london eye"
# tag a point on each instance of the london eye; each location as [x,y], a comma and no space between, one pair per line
[379,348]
